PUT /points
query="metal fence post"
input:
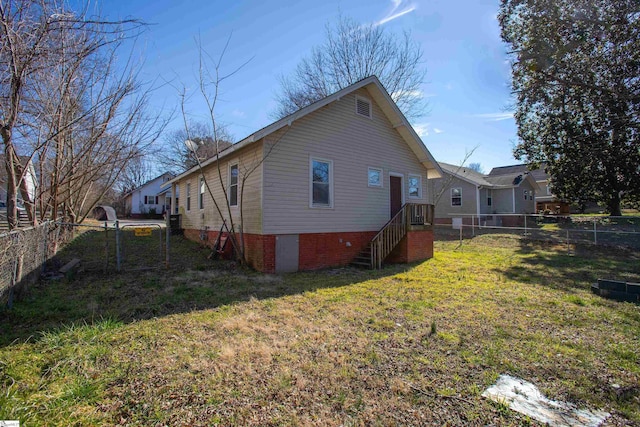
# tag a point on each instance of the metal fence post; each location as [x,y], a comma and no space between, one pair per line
[595,232]
[473,224]
[106,247]
[166,249]
[525,224]
[118,261]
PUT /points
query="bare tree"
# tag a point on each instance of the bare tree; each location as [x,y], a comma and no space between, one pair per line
[211,78]
[175,157]
[352,52]
[67,101]
[476,167]
[135,174]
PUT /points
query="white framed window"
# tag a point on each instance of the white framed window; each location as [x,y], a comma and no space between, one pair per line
[363,107]
[201,193]
[233,185]
[456,196]
[526,194]
[150,200]
[320,183]
[531,194]
[548,190]
[489,197]
[375,177]
[415,186]
[188,196]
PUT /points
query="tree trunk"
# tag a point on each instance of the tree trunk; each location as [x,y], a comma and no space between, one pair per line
[613,206]
[12,188]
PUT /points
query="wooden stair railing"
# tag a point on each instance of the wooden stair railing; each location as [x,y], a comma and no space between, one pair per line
[392,233]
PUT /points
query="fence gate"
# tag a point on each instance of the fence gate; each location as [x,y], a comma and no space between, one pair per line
[141,246]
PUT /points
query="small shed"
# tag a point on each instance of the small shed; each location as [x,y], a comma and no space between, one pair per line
[104,213]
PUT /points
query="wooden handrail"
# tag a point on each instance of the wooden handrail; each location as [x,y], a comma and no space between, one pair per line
[396,228]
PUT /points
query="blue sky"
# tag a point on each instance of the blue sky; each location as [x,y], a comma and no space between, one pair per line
[467,83]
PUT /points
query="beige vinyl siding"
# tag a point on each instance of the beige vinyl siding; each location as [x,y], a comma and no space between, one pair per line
[443,186]
[209,217]
[353,143]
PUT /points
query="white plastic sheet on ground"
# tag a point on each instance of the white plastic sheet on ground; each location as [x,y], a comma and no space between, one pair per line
[524,397]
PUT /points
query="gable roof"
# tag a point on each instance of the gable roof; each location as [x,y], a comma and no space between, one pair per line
[149,182]
[505,180]
[538,174]
[465,174]
[380,96]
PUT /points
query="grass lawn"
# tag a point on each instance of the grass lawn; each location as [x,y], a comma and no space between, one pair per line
[408,345]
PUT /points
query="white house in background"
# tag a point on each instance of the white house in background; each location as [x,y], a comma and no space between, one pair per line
[149,198]
[29,179]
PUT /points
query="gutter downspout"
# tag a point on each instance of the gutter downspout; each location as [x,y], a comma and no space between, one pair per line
[513,193]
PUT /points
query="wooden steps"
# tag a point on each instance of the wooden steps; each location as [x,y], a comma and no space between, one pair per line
[363,259]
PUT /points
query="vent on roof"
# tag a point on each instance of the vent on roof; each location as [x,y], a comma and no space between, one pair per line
[363,107]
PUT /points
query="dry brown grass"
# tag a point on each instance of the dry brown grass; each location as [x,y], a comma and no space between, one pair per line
[347,347]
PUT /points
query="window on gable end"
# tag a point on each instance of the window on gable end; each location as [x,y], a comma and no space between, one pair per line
[415,186]
[375,177]
[363,107]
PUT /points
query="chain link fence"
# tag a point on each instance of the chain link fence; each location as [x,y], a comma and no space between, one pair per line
[23,254]
[27,254]
[622,231]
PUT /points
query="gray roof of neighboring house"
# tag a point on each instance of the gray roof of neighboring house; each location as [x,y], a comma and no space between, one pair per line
[465,173]
[505,180]
[537,174]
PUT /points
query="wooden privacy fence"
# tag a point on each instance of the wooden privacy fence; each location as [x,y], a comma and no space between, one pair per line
[411,214]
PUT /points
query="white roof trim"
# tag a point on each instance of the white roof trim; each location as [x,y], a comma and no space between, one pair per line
[424,155]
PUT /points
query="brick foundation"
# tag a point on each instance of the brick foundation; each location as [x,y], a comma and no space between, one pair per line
[260,249]
[417,245]
[322,250]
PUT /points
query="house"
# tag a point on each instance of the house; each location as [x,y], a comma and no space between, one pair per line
[319,185]
[465,193]
[30,181]
[150,198]
[545,200]
[29,178]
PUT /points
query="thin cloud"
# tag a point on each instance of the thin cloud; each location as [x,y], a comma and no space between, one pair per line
[422,129]
[436,130]
[394,13]
[495,117]
[238,113]
[408,93]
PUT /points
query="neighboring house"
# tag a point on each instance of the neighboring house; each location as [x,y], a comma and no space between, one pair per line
[546,202]
[319,184]
[29,178]
[149,198]
[465,193]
